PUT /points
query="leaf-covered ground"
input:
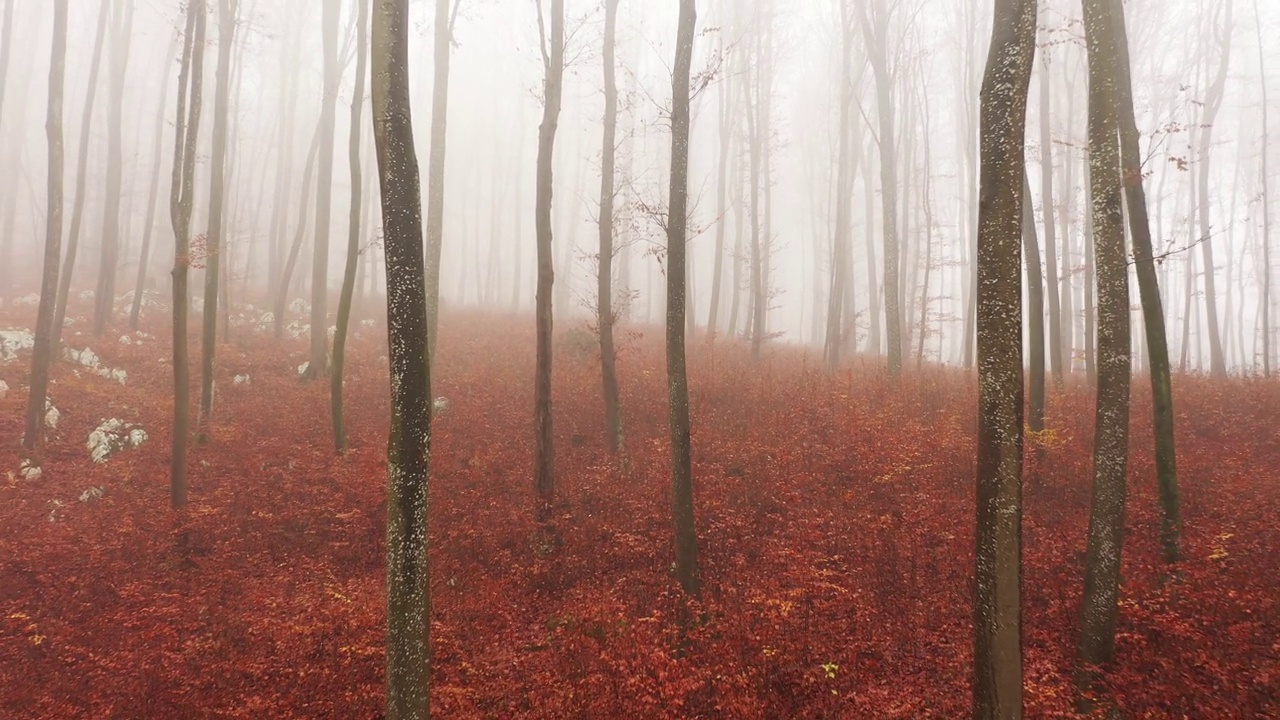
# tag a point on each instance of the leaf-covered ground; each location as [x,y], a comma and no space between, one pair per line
[835,521]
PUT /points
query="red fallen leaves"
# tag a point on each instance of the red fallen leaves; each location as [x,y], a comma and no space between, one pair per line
[835,521]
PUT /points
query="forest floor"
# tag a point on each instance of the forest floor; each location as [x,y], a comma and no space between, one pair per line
[835,522]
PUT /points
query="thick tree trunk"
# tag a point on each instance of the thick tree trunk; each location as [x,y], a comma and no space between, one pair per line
[677,378]
[553,66]
[77,210]
[605,315]
[353,232]
[409,447]
[217,213]
[1148,286]
[180,202]
[45,343]
[997,686]
[1099,605]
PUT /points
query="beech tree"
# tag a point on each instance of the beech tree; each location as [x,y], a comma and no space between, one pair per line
[217,212]
[606,317]
[1099,605]
[435,162]
[1112,25]
[409,447]
[105,295]
[353,230]
[82,176]
[552,88]
[677,377]
[181,194]
[318,365]
[45,341]
[997,686]
[144,254]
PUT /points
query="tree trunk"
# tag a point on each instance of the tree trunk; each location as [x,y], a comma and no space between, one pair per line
[144,257]
[180,202]
[435,166]
[553,66]
[1148,286]
[105,294]
[217,211]
[605,316]
[1035,308]
[724,108]
[291,262]
[45,343]
[1099,608]
[77,210]
[1212,103]
[318,365]
[1266,206]
[677,378]
[1050,229]
[353,232]
[409,447]
[997,686]
[843,199]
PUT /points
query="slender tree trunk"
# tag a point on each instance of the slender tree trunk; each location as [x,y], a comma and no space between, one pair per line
[353,232]
[844,197]
[144,257]
[77,210]
[105,294]
[1266,204]
[436,166]
[1099,605]
[409,447]
[6,50]
[45,343]
[553,66]
[180,202]
[724,107]
[291,262]
[605,316]
[1212,103]
[1035,308]
[875,30]
[217,213]
[677,378]
[318,366]
[284,169]
[997,686]
[1050,229]
[1117,42]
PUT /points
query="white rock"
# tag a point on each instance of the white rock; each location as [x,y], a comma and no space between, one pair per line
[126,340]
[93,494]
[240,380]
[28,299]
[4,389]
[302,369]
[29,471]
[299,306]
[51,415]
[440,404]
[13,340]
[367,323]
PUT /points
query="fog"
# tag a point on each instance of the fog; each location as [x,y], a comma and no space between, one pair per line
[936,56]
